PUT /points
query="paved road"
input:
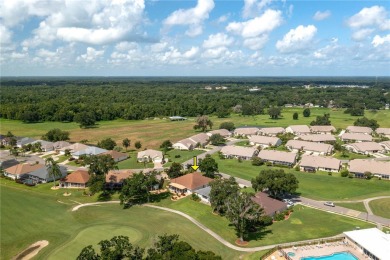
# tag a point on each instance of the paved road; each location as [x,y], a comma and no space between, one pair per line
[206,229]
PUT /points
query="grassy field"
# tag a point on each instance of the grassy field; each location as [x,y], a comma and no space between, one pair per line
[28,216]
[350,156]
[359,206]
[313,185]
[184,156]
[381,207]
[152,133]
[305,223]
[132,163]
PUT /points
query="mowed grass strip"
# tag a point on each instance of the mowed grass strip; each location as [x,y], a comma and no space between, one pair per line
[319,186]
[27,217]
[152,132]
[359,206]
[380,207]
[305,223]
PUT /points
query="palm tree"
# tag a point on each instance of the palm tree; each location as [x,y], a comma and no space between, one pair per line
[53,169]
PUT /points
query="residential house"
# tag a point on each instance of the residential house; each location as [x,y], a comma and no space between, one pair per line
[91,150]
[6,163]
[310,163]
[239,152]
[318,138]
[8,140]
[386,145]
[309,147]
[24,141]
[278,157]
[21,170]
[199,140]
[271,131]
[365,147]
[298,129]
[77,179]
[223,132]
[271,206]
[60,144]
[42,175]
[359,130]
[245,131]
[115,178]
[322,129]
[264,141]
[189,183]
[356,137]
[383,132]
[73,148]
[204,194]
[46,146]
[378,168]
[117,156]
[150,156]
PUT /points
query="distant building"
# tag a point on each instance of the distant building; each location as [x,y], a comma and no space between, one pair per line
[198,140]
[359,130]
[271,131]
[222,132]
[383,131]
[245,131]
[264,141]
[310,163]
[298,129]
[77,179]
[177,118]
[239,152]
[365,148]
[356,137]
[378,168]
[311,147]
[322,129]
[150,155]
[189,183]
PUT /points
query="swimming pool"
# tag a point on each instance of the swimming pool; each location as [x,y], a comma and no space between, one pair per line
[335,256]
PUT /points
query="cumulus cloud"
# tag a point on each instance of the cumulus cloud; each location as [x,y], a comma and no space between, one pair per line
[297,39]
[217,40]
[265,23]
[375,16]
[5,35]
[319,16]
[256,43]
[362,34]
[193,17]
[378,40]
[252,7]
[91,55]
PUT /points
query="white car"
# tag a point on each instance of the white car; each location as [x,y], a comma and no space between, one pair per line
[329,203]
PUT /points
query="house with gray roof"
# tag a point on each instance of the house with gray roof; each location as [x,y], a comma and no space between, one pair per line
[223,132]
[322,129]
[278,157]
[355,137]
[91,150]
[192,142]
[359,130]
[264,141]
[298,129]
[60,144]
[271,131]
[365,147]
[310,163]
[239,152]
[245,131]
[204,194]
[383,132]
[318,138]
[378,168]
[42,175]
[309,147]
[24,141]
[46,146]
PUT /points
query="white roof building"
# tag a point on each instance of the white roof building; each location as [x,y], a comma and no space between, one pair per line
[365,147]
[358,137]
[296,145]
[150,155]
[298,129]
[310,162]
[272,131]
[318,138]
[245,131]
[372,241]
[222,132]
[359,129]
[383,131]
[239,151]
[378,168]
[264,141]
[322,129]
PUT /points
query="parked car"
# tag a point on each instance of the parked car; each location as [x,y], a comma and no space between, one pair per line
[329,203]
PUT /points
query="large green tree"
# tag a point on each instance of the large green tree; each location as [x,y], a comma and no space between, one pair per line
[136,189]
[364,121]
[175,170]
[208,166]
[216,139]
[107,144]
[306,112]
[227,125]
[274,112]
[243,213]
[126,143]
[85,119]
[276,182]
[220,190]
[138,145]
[202,122]
[100,164]
[322,120]
[166,146]
[55,135]
[53,169]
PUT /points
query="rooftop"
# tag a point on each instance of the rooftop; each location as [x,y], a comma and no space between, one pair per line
[150,153]
[272,130]
[367,146]
[192,181]
[23,168]
[322,128]
[373,166]
[280,156]
[318,138]
[78,176]
[359,129]
[118,176]
[269,204]
[264,139]
[320,161]
[310,146]
[238,150]
[356,136]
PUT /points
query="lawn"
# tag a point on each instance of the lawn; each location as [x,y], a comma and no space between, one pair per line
[132,163]
[184,156]
[244,143]
[152,133]
[350,156]
[318,186]
[29,216]
[359,206]
[305,223]
[62,158]
[381,207]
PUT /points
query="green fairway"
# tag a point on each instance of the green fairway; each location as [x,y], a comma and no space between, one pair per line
[313,185]
[305,223]
[381,207]
[184,156]
[27,217]
[152,133]
[359,206]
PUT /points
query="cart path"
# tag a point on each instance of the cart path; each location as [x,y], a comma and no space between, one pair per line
[210,232]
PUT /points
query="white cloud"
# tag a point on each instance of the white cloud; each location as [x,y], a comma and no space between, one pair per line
[253,7]
[223,18]
[125,46]
[5,35]
[256,43]
[217,40]
[263,24]
[297,39]
[378,40]
[193,17]
[362,34]
[91,55]
[215,53]
[370,16]
[159,47]
[319,16]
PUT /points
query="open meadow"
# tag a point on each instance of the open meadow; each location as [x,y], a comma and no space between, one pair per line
[152,132]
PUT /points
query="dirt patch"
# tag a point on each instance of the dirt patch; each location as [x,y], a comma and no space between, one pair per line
[241,243]
[31,251]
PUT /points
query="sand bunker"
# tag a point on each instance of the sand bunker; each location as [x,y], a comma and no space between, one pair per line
[31,251]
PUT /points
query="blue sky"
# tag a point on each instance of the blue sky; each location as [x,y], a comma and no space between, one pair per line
[194,38]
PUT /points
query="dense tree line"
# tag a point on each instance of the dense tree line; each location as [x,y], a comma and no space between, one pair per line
[107,99]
